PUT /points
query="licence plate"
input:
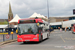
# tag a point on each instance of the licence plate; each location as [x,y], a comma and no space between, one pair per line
[27,40]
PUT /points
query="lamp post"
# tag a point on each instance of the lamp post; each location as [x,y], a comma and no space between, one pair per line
[48,15]
[8,26]
[48,10]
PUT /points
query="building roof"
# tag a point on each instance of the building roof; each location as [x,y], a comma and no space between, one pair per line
[56,23]
[15,19]
[60,17]
[39,16]
[10,11]
[3,26]
[72,16]
[3,20]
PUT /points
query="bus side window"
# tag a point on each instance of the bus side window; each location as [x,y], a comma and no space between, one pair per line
[40,29]
[45,30]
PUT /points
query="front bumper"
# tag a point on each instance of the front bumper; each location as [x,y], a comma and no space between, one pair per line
[27,40]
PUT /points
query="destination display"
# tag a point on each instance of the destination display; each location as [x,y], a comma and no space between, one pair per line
[27,21]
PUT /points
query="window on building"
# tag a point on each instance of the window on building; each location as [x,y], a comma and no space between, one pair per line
[9,17]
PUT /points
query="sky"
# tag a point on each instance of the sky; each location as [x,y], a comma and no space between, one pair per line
[25,8]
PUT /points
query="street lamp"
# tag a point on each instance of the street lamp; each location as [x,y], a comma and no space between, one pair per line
[48,10]
[8,26]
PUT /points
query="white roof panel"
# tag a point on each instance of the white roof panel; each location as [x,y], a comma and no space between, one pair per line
[3,26]
[15,19]
[38,15]
[68,23]
[56,23]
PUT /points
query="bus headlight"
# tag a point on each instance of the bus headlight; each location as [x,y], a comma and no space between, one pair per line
[17,35]
[20,38]
[37,35]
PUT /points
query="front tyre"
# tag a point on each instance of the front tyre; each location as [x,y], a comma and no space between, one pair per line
[41,38]
[23,42]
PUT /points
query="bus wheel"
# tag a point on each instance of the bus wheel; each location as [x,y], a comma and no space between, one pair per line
[72,32]
[41,38]
[49,33]
[24,42]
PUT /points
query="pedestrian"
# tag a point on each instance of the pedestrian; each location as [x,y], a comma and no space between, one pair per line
[50,29]
[3,30]
[65,29]
[60,29]
[69,28]
[9,30]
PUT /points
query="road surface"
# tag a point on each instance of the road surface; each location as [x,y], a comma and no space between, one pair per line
[59,40]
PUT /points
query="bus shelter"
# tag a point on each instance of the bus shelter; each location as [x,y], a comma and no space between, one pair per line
[3,29]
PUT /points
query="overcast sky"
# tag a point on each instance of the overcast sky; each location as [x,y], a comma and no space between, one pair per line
[25,8]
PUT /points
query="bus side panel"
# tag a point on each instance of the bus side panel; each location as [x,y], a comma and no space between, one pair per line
[73,29]
[44,35]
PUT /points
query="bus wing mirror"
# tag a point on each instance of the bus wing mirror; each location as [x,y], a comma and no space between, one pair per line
[42,25]
[37,24]
[16,31]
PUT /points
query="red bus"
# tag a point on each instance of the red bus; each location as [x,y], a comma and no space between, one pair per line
[32,30]
[73,28]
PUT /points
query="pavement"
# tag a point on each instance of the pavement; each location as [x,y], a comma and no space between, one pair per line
[1,38]
[59,40]
[6,42]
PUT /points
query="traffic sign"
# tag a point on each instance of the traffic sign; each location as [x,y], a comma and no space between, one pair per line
[7,36]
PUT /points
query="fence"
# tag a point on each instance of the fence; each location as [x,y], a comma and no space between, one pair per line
[6,37]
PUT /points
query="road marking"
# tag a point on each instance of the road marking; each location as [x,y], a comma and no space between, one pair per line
[69,38]
[62,38]
[70,32]
[73,38]
[58,35]
[66,47]
[55,32]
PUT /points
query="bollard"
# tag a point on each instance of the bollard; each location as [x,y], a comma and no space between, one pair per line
[3,38]
[12,36]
